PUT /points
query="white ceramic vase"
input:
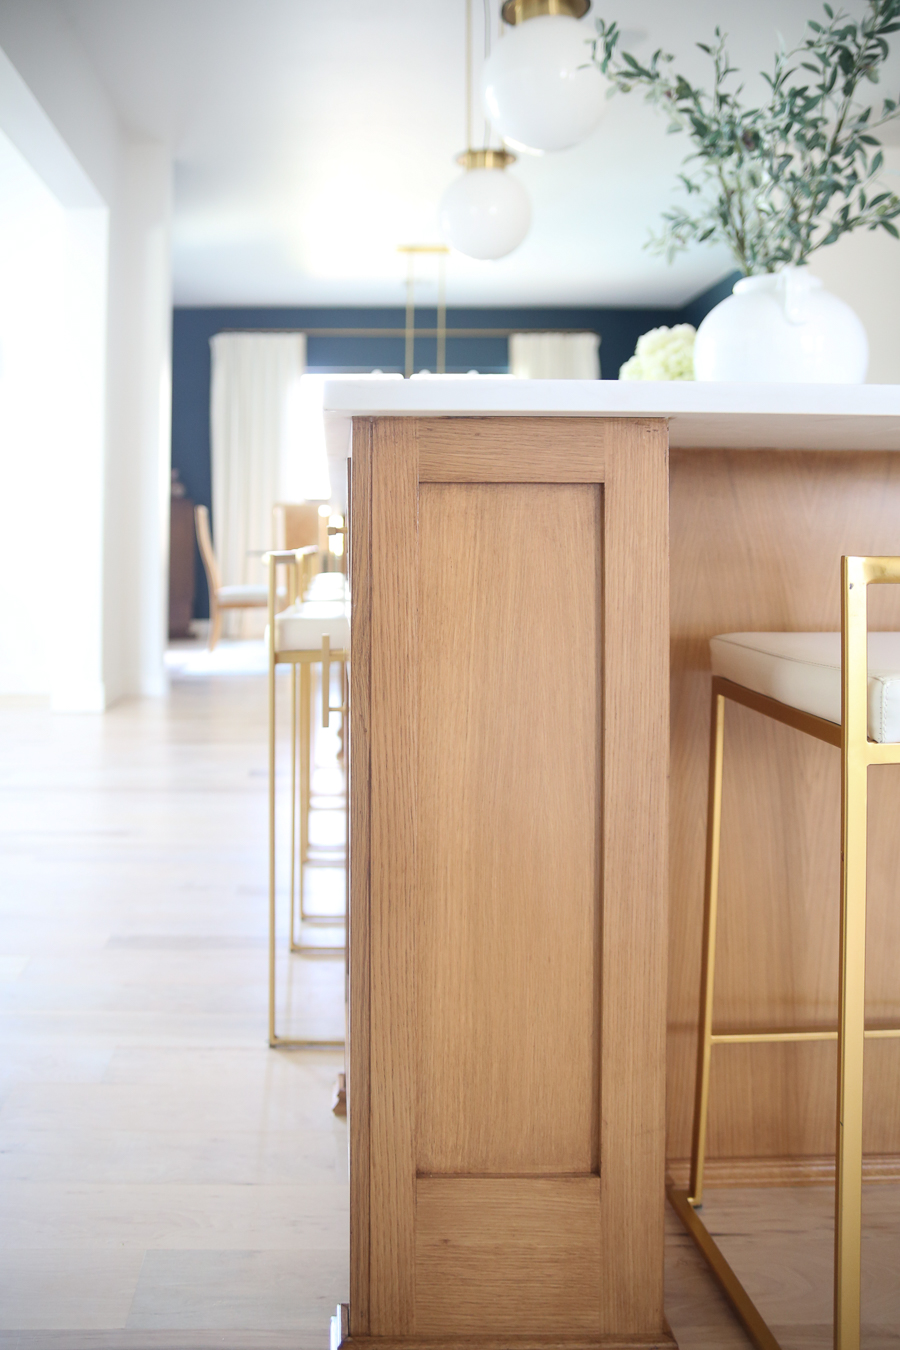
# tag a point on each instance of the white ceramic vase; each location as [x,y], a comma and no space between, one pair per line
[782,327]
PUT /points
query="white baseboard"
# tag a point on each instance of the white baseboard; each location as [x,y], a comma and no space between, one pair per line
[87,697]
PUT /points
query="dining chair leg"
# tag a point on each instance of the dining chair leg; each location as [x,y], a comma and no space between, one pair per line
[708,964]
[215,623]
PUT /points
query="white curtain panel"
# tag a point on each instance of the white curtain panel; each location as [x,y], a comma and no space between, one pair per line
[554,356]
[253,378]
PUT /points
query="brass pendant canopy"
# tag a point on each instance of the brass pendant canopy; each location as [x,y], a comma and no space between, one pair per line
[485,159]
[517,11]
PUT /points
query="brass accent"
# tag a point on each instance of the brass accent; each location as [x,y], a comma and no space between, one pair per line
[710,915]
[442,316]
[731,1286]
[292,938]
[819,727]
[300,564]
[469,73]
[857,753]
[852,988]
[409,348]
[409,331]
[397,332]
[795,1034]
[327,658]
[485,159]
[326,679]
[517,11]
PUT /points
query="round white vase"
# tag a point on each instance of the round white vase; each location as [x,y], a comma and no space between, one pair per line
[782,327]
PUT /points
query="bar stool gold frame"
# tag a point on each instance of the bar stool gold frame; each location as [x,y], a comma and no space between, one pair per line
[335,855]
[302,798]
[857,753]
[299,563]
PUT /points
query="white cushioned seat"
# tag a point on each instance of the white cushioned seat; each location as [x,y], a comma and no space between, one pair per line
[804,671]
[245,595]
[328,586]
[301,627]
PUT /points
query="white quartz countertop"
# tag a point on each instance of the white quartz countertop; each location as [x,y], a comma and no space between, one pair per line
[700,415]
[719,416]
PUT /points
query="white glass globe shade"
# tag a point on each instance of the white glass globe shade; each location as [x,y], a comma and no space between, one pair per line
[541,89]
[485,213]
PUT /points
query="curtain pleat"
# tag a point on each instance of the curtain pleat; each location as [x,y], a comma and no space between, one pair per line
[554,356]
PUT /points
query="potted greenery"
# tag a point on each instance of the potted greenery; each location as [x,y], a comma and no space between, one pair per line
[776,182]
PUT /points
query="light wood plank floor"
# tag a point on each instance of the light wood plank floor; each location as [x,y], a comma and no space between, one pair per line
[165,1179]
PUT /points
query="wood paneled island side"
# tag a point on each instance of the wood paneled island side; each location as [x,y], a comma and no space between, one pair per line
[510,873]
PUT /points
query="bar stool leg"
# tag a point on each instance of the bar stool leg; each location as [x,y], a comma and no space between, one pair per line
[271,808]
[306,694]
[293,882]
[851,1043]
[305,756]
[707,973]
[852,992]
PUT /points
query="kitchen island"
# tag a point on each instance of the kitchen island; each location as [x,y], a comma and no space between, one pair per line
[532,563]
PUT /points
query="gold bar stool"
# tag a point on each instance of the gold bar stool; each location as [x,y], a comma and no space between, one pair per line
[844,689]
[329,589]
[301,566]
[302,635]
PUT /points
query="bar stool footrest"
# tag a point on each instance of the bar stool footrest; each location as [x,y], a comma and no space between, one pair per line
[747,1311]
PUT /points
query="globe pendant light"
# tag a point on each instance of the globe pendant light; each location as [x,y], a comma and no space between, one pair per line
[541,89]
[486,213]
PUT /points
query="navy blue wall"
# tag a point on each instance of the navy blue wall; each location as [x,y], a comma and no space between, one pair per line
[696,310]
[192,329]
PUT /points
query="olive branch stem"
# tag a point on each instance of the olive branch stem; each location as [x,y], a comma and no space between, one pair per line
[780,180]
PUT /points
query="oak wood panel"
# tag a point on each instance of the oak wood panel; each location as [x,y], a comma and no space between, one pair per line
[635,836]
[627,731]
[523,1251]
[529,449]
[392,970]
[359,763]
[756,544]
[661,1341]
[509,828]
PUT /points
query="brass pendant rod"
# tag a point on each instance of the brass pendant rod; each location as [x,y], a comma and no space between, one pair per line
[442,315]
[410,315]
[468,73]
[486,10]
[397,332]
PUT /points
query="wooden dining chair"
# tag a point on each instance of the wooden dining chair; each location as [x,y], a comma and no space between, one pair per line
[296,525]
[222,597]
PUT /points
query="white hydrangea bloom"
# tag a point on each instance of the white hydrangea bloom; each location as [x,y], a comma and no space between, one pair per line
[663,354]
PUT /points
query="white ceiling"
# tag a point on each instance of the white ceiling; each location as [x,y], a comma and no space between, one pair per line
[311,137]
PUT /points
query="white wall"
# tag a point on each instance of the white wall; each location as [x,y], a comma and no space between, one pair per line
[864,270]
[53,329]
[138,470]
[110,478]
[32,242]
